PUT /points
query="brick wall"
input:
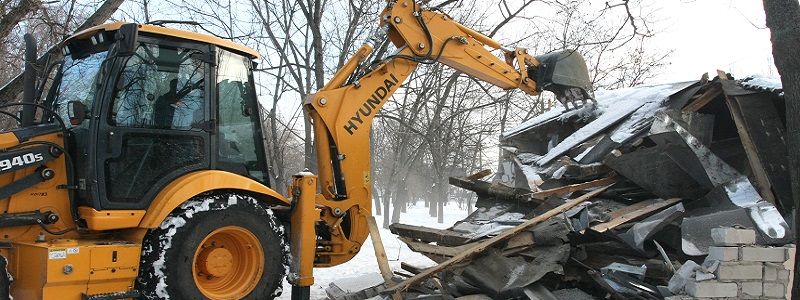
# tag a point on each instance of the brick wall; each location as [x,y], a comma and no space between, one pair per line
[736,268]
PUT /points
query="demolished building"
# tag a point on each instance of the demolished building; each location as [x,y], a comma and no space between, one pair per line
[657,169]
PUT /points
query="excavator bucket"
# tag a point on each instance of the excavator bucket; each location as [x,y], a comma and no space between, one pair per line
[565,74]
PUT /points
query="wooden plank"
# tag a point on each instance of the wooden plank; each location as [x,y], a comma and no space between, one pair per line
[704,99]
[631,208]
[763,122]
[483,246]
[380,254]
[410,268]
[574,188]
[634,215]
[439,236]
[496,190]
[423,247]
[481,174]
[762,182]
[522,240]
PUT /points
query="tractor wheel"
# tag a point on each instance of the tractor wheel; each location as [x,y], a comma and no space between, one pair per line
[214,247]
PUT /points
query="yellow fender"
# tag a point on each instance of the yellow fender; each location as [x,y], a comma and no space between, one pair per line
[193,184]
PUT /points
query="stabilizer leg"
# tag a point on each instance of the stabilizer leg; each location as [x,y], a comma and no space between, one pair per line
[303,234]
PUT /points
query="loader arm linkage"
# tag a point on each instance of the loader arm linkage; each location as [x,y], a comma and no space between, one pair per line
[343,110]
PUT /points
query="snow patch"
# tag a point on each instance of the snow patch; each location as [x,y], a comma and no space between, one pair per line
[532,175]
[762,82]
[615,105]
[555,112]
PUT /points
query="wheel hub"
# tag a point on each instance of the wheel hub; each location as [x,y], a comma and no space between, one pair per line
[216,262]
[228,263]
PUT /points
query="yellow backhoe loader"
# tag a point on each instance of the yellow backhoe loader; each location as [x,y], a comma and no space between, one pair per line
[139,169]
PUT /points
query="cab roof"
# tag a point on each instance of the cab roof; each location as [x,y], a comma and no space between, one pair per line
[171,32]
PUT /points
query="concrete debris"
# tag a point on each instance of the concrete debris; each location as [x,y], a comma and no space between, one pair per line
[361,287]
[697,173]
[749,272]
[684,274]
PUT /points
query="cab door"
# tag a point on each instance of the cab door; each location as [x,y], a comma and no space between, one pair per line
[239,136]
[157,125]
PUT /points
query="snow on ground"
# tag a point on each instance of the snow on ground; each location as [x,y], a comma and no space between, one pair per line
[365,261]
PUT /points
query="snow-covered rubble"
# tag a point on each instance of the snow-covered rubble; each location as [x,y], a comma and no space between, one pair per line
[672,162]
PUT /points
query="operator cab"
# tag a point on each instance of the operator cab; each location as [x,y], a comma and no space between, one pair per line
[146,105]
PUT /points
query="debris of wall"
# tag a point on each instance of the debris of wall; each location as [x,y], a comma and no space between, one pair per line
[682,189]
[736,268]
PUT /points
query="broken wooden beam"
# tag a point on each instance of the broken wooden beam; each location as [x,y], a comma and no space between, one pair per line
[380,254]
[498,191]
[442,237]
[410,268]
[574,188]
[761,132]
[483,246]
[481,174]
[710,94]
[633,212]
[437,250]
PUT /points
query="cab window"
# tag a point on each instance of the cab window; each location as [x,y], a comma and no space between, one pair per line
[241,147]
[160,87]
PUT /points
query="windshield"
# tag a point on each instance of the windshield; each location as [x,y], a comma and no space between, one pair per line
[78,82]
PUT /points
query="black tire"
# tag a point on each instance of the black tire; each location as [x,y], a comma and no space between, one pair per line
[166,270]
[5,279]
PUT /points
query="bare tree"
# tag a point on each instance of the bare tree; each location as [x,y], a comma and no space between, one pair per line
[69,20]
[783,17]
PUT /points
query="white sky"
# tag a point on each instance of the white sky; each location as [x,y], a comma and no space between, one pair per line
[707,35]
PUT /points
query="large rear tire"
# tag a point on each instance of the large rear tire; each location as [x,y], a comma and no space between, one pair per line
[223,246]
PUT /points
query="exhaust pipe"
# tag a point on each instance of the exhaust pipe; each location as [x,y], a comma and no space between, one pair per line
[29,77]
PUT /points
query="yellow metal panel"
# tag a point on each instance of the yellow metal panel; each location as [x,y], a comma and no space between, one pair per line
[110,219]
[113,268]
[183,34]
[67,269]
[44,196]
[199,182]
[8,139]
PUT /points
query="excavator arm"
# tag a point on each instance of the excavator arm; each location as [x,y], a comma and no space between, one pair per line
[329,217]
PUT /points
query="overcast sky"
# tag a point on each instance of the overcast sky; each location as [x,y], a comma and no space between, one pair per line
[714,34]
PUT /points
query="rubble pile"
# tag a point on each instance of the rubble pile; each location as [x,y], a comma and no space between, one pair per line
[638,188]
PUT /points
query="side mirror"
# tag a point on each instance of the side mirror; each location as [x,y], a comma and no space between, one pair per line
[76,111]
[126,37]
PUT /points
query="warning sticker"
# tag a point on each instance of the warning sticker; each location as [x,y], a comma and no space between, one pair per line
[57,254]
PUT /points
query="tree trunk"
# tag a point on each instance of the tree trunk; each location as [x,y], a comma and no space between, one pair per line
[15,15]
[434,199]
[387,198]
[310,158]
[442,200]
[783,20]
[377,197]
[397,207]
